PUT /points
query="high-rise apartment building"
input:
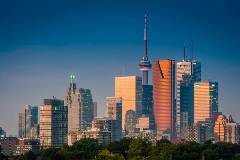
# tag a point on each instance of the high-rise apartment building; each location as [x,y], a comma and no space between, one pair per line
[114,108]
[197,133]
[80,107]
[130,89]
[205,100]
[26,120]
[219,128]
[163,95]
[53,123]
[188,72]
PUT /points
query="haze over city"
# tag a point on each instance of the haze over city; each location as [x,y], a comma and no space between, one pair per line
[42,43]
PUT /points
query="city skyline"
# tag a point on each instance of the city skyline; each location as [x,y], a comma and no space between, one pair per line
[42,43]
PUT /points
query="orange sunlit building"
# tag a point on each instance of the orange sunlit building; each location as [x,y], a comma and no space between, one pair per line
[163,95]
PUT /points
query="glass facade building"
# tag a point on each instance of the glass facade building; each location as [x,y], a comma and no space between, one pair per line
[53,123]
[163,95]
[188,72]
[130,89]
[205,100]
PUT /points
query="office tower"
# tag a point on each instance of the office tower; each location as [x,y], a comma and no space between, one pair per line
[114,108]
[188,72]
[94,109]
[80,107]
[130,121]
[26,120]
[163,95]
[53,123]
[108,124]
[205,100]
[130,89]
[145,64]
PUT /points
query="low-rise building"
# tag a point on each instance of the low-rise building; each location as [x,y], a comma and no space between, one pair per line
[27,144]
[9,145]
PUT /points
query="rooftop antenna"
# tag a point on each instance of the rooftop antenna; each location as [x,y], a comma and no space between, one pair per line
[192,49]
[184,51]
[72,76]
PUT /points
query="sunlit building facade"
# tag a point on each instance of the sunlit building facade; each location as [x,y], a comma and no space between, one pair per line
[53,123]
[80,107]
[114,108]
[205,100]
[130,89]
[219,128]
[188,72]
[163,95]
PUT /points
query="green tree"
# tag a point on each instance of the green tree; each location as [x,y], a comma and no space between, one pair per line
[120,147]
[139,148]
[30,156]
[209,154]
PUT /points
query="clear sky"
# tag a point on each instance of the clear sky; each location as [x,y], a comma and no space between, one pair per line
[42,43]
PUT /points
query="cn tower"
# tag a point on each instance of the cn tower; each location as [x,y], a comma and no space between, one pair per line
[145,64]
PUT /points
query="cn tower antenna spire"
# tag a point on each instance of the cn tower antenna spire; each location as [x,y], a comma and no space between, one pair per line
[145,65]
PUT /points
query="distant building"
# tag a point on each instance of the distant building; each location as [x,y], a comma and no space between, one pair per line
[102,136]
[53,123]
[205,100]
[143,123]
[164,95]
[197,133]
[114,108]
[80,107]
[130,89]
[219,128]
[9,145]
[130,121]
[108,124]
[26,120]
[27,144]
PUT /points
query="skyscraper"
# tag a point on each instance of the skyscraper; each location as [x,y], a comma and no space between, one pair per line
[53,123]
[26,121]
[114,108]
[188,72]
[205,100]
[163,95]
[130,89]
[145,64]
[94,109]
[80,107]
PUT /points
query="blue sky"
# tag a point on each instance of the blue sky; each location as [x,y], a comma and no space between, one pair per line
[42,43]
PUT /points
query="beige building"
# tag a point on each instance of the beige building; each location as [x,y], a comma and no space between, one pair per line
[114,108]
[102,136]
[142,123]
[130,89]
[205,100]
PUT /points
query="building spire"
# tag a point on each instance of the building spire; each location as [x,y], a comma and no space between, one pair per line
[145,65]
[72,76]
[145,37]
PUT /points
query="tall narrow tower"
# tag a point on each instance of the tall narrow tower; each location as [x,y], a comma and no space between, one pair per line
[145,64]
